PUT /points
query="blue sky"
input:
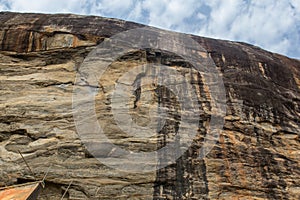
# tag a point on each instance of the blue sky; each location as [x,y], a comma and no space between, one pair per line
[271,24]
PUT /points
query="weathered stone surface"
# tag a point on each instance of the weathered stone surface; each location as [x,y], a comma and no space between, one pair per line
[256,157]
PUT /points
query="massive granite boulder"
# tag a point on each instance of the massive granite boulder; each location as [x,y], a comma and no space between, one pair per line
[256,154]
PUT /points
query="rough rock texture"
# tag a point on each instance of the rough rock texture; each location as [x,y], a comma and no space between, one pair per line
[256,157]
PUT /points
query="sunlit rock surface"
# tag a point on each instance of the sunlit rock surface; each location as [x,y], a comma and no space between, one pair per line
[257,155]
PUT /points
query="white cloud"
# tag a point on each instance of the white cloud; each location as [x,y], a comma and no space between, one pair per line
[271,24]
[48,6]
[4,5]
[170,14]
[114,8]
[137,12]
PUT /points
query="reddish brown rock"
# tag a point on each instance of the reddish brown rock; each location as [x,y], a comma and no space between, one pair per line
[256,157]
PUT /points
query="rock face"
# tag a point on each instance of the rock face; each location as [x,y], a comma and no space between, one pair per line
[257,154]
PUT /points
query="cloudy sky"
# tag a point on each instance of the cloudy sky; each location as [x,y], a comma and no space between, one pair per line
[271,24]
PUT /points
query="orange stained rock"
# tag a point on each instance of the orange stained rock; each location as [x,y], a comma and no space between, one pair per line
[19,192]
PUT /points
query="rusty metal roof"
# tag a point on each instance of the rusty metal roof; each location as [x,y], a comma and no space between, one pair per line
[27,191]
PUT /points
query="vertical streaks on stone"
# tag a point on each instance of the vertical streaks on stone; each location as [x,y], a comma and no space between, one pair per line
[259,145]
[3,39]
[170,181]
[269,168]
[187,178]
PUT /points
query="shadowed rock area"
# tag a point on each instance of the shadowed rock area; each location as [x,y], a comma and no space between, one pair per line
[257,154]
